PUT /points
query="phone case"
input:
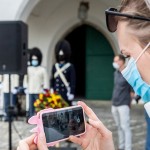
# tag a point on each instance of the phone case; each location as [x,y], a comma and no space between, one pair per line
[38,121]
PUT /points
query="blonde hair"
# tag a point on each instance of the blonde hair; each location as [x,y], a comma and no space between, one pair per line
[140,28]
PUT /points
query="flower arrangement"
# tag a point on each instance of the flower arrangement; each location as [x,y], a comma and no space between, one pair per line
[49,100]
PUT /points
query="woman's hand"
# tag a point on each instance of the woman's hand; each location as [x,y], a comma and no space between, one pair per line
[28,143]
[97,136]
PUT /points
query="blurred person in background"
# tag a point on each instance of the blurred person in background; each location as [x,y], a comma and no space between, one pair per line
[36,79]
[63,78]
[121,100]
[9,94]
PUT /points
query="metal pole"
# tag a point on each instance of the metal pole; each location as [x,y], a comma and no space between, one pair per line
[9,115]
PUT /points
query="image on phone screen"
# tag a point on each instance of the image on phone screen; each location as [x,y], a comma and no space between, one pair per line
[61,124]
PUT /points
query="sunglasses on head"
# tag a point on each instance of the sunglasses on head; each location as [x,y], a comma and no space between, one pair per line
[112,21]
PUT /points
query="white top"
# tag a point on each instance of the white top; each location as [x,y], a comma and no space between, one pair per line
[36,80]
[5,82]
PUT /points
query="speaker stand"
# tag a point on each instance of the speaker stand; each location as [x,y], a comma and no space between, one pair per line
[11,112]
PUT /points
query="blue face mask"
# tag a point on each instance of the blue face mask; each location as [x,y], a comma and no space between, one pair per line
[132,75]
[34,62]
[115,65]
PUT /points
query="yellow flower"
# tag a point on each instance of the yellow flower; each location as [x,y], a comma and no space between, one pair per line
[59,105]
[52,105]
[44,103]
[58,97]
[41,96]
[49,99]
[35,104]
[38,101]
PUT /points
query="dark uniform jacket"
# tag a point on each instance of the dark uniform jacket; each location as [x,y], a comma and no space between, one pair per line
[57,83]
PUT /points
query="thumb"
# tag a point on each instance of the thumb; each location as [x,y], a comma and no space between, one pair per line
[42,142]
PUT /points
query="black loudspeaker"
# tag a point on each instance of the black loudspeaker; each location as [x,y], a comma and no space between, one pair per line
[13,47]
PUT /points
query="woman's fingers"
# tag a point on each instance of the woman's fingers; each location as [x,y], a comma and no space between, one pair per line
[106,135]
[75,140]
[26,147]
[42,142]
[30,139]
[23,146]
[18,148]
[101,128]
[89,112]
[94,121]
[26,143]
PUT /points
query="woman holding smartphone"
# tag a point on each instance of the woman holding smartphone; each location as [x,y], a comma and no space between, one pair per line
[132,25]
[96,135]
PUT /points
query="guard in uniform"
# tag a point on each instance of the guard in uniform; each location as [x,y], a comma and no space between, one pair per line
[63,73]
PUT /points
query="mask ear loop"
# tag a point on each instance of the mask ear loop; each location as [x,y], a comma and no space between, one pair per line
[142,52]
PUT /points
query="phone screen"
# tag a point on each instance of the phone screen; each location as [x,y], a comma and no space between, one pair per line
[63,123]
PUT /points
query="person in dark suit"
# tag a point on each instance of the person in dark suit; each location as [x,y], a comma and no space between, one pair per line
[63,77]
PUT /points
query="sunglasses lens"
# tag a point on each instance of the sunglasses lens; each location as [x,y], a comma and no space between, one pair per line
[111,23]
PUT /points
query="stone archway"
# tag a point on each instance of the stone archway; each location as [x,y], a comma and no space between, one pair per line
[50,21]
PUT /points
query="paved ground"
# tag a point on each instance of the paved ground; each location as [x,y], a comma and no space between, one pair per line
[20,129]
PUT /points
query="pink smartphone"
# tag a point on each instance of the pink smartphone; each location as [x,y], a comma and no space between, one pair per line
[59,124]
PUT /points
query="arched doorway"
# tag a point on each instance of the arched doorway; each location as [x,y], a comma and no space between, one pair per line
[78,45]
[92,57]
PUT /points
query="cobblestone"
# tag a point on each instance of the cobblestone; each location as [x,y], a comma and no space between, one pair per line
[20,129]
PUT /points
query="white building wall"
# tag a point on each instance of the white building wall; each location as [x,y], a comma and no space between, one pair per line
[9,8]
[50,20]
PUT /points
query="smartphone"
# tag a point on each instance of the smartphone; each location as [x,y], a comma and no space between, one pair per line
[59,124]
